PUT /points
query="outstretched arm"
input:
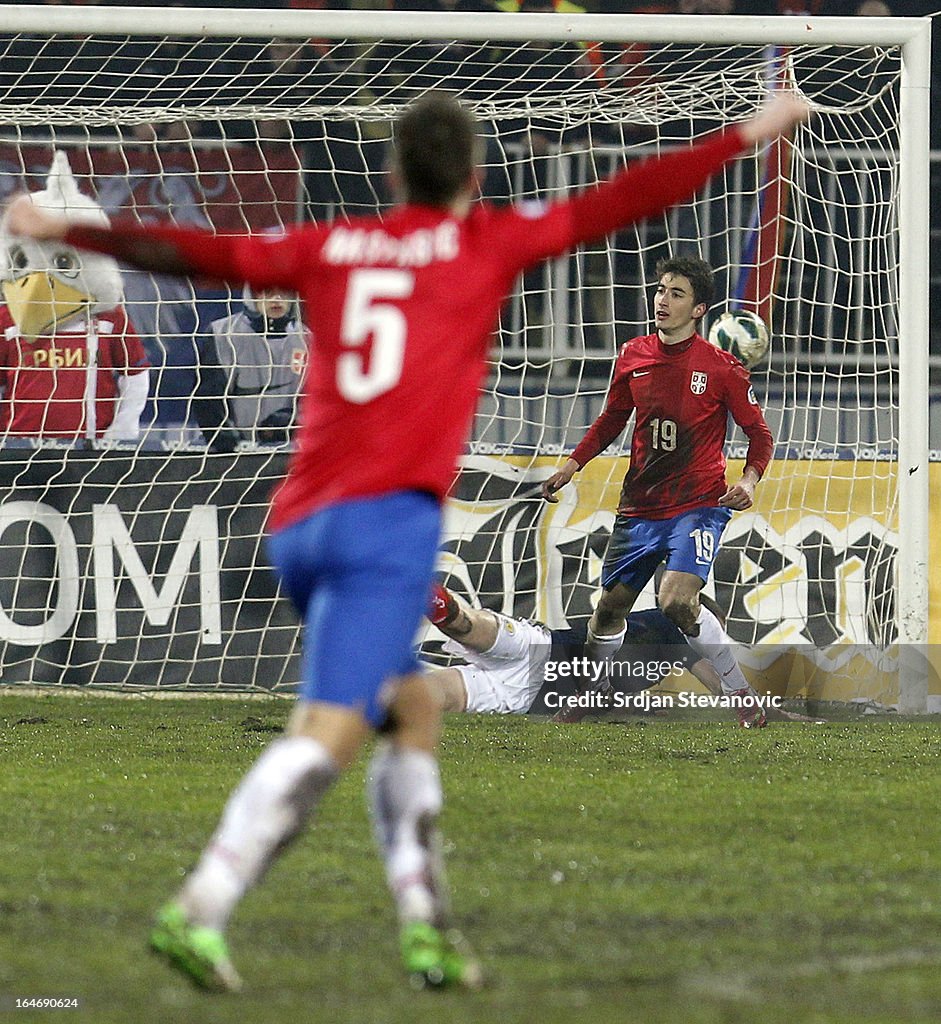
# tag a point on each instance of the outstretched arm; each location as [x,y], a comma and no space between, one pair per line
[777,117]
[646,187]
[160,256]
[264,261]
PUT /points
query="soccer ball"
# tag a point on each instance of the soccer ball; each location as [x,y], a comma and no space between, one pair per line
[743,334]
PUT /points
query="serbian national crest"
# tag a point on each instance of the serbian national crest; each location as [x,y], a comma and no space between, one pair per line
[697,383]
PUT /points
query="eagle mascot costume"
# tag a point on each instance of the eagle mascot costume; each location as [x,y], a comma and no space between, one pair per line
[71,363]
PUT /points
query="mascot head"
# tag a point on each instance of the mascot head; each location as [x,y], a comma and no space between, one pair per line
[47,284]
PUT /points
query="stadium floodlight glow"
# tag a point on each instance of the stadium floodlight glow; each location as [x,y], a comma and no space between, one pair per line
[198,118]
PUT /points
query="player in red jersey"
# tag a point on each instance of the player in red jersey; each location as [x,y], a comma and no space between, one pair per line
[675,503]
[402,308]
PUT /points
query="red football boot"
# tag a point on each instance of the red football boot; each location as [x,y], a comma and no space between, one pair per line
[751,715]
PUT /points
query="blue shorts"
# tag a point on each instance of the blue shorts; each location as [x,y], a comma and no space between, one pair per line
[359,573]
[689,543]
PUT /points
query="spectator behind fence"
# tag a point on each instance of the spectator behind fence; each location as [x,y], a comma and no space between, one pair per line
[250,373]
[537,71]
[71,363]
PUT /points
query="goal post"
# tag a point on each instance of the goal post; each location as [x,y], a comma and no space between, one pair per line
[914,328]
[196,117]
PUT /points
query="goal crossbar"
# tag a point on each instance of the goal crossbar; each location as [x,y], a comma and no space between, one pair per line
[640,28]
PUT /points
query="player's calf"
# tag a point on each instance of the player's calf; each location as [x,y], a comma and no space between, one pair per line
[404,791]
[264,814]
[477,629]
[683,612]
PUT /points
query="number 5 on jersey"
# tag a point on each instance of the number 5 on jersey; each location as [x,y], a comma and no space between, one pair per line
[368,313]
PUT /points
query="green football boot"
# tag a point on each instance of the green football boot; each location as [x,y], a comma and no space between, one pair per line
[199,953]
[436,959]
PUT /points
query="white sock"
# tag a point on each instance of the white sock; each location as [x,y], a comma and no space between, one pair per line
[265,812]
[715,645]
[602,648]
[404,790]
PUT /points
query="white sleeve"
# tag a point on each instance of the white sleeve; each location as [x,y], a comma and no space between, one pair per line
[133,390]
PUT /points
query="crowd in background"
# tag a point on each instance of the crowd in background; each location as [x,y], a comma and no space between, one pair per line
[72,70]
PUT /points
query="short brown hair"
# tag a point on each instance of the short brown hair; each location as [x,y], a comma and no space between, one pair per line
[696,271]
[436,148]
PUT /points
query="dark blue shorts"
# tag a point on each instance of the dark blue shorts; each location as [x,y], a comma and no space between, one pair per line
[359,573]
[689,543]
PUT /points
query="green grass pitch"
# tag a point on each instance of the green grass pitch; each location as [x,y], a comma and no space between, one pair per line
[655,871]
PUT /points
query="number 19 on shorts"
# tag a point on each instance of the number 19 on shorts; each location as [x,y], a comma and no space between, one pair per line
[705,546]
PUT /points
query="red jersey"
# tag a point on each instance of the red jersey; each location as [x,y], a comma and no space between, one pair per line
[683,395]
[43,381]
[403,308]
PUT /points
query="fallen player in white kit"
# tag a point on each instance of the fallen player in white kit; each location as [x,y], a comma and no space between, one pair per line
[511,661]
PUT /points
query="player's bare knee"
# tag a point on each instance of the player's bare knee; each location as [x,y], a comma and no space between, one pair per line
[607,622]
[681,610]
[461,625]
[341,730]
[447,687]
[475,628]
[610,614]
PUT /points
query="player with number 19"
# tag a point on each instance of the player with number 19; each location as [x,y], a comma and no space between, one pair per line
[403,307]
[674,503]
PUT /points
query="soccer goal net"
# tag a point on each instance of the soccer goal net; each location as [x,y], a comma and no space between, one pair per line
[133,531]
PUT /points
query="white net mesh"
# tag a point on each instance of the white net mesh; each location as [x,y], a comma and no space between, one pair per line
[238,134]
